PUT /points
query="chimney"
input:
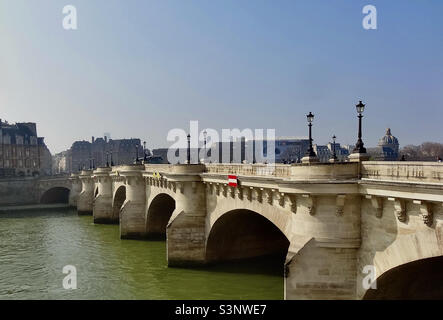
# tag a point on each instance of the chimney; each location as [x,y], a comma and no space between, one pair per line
[92,139]
[106,139]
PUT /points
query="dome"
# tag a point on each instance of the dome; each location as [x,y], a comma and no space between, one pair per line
[388,139]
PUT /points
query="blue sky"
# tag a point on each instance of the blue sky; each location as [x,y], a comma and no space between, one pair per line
[139,68]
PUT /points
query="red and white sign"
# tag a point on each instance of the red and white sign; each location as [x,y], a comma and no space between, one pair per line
[232,180]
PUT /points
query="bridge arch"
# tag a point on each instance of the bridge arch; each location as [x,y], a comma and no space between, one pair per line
[421,279]
[55,195]
[159,212]
[117,202]
[242,234]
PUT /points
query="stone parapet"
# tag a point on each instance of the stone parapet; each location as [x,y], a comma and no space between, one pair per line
[402,171]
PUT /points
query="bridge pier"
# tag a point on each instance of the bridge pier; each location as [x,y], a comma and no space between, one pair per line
[86,196]
[325,264]
[76,188]
[102,206]
[132,217]
[186,235]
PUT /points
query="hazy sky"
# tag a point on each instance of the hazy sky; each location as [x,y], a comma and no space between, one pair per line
[140,68]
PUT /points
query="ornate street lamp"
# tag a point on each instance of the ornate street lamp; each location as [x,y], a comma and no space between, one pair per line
[136,153]
[145,156]
[189,149]
[334,155]
[205,134]
[359,147]
[310,152]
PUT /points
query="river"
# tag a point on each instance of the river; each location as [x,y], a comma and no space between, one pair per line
[36,245]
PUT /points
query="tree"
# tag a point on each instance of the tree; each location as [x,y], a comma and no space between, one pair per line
[427,151]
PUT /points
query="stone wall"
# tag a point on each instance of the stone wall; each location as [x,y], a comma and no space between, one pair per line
[19,191]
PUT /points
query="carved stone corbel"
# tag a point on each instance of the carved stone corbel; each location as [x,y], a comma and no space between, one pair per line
[426,212]
[255,195]
[290,202]
[377,204]
[238,193]
[267,196]
[340,204]
[180,186]
[279,198]
[248,192]
[212,189]
[310,203]
[399,208]
[225,190]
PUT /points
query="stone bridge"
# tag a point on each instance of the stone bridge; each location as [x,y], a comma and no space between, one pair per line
[325,222]
[33,190]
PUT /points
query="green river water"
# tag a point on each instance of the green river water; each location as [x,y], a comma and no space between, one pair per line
[36,245]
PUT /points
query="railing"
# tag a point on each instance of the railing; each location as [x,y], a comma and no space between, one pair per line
[158,167]
[277,170]
[397,171]
[429,172]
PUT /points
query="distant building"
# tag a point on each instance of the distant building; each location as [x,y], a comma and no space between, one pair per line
[324,153]
[242,150]
[98,153]
[159,156]
[387,149]
[22,152]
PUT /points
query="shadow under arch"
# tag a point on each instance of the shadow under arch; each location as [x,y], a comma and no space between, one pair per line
[246,235]
[416,280]
[159,212]
[96,192]
[117,203]
[55,195]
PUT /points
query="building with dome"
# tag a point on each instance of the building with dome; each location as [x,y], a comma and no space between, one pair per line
[387,149]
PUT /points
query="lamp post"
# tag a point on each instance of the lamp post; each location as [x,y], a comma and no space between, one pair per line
[107,158]
[310,155]
[334,155]
[205,134]
[359,147]
[145,156]
[189,149]
[112,162]
[310,152]
[136,153]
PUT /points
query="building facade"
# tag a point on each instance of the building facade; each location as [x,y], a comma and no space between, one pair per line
[22,152]
[98,153]
[325,153]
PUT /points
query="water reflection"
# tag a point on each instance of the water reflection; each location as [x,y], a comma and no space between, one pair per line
[35,246]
